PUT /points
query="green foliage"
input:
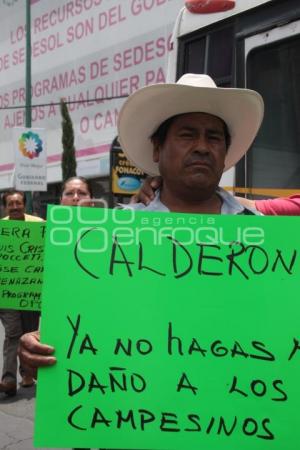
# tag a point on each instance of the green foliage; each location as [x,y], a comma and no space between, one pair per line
[68,161]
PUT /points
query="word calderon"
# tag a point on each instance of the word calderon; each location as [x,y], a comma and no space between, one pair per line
[178,260]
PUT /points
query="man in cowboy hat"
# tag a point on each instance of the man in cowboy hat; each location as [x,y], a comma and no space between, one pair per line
[189,133]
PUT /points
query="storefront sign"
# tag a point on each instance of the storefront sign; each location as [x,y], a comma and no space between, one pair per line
[126,178]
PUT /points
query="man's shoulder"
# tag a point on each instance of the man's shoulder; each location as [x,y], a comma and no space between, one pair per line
[30,218]
[231,206]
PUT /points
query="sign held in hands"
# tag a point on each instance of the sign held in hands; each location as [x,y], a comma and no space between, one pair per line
[21,264]
[170,335]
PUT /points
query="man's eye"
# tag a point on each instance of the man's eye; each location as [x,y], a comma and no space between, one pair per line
[187,135]
[215,137]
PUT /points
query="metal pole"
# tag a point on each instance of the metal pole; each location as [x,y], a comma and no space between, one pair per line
[28,87]
[28,66]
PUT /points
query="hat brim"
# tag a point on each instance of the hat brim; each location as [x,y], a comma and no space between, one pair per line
[145,110]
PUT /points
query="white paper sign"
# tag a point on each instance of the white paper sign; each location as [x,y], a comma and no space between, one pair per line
[30,159]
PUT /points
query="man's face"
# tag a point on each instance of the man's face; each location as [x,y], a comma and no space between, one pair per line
[193,154]
[15,208]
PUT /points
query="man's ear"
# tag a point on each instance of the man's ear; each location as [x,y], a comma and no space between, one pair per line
[156,151]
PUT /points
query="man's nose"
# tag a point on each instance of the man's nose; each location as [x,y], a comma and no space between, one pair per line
[201,145]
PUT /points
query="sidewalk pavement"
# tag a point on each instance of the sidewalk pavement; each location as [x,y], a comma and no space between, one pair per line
[16,416]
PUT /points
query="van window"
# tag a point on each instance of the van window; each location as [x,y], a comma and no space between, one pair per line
[220,54]
[274,71]
[195,56]
[210,53]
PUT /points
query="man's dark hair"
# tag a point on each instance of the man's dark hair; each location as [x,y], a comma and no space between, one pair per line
[84,180]
[10,192]
[159,136]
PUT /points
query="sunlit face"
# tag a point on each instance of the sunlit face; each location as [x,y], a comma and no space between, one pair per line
[193,154]
[76,193]
[15,207]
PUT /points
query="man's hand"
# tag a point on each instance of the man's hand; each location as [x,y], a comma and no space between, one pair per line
[33,354]
[147,192]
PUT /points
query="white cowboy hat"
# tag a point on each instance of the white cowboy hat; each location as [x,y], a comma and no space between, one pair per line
[146,109]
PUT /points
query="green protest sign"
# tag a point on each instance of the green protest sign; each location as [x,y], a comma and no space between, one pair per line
[21,264]
[171,331]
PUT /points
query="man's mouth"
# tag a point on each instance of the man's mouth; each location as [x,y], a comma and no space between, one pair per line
[16,215]
[198,162]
